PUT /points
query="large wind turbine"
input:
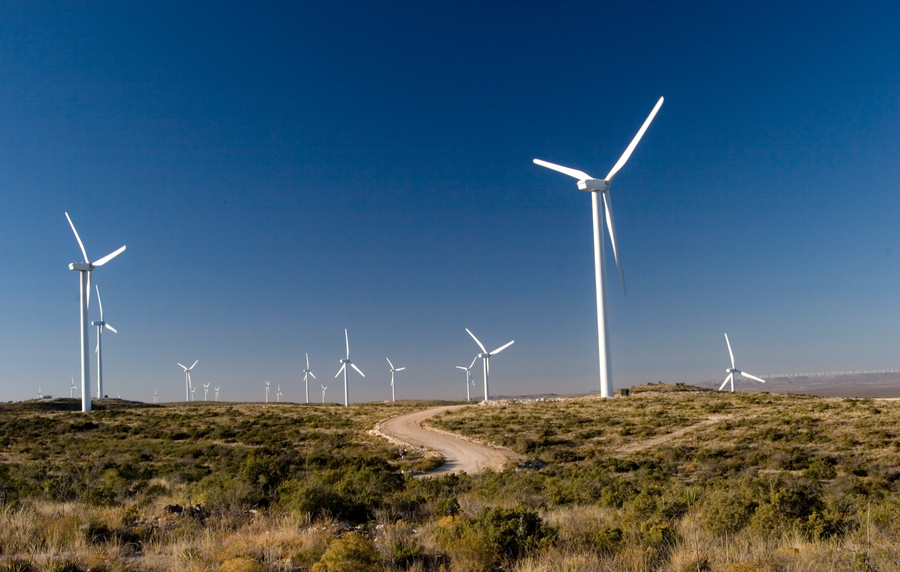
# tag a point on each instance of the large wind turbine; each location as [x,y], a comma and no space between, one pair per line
[101,325]
[344,364]
[486,359]
[595,187]
[732,372]
[307,372]
[86,268]
[205,391]
[187,381]
[469,379]
[323,392]
[393,369]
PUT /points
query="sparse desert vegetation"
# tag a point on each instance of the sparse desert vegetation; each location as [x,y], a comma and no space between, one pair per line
[669,479]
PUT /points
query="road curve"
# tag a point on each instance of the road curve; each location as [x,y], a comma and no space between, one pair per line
[459,454]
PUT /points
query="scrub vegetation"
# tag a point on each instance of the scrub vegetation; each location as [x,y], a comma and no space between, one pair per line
[671,478]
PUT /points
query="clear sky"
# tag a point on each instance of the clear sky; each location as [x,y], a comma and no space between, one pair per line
[282,171]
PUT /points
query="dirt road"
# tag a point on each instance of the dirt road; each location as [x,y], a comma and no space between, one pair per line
[460,455]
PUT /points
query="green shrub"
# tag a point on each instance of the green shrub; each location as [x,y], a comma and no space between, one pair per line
[728,510]
[350,553]
[513,531]
[608,540]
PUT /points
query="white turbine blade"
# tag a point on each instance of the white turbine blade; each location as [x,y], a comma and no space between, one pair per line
[634,142]
[580,175]
[390,364]
[347,339]
[401,369]
[461,367]
[729,351]
[473,362]
[192,367]
[340,370]
[110,327]
[724,383]
[311,375]
[745,374]
[99,303]
[185,369]
[307,361]
[480,345]
[78,238]
[501,348]
[88,291]
[97,348]
[353,365]
[612,237]
[108,257]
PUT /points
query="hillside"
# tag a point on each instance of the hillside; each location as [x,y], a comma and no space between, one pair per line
[671,478]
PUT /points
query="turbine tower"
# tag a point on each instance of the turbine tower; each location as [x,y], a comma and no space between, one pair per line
[344,364]
[307,372]
[486,359]
[595,187]
[393,398]
[732,372]
[187,381]
[86,268]
[101,325]
[469,379]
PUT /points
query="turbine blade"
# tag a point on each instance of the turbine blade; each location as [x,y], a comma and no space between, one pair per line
[347,339]
[473,362]
[99,303]
[724,383]
[307,361]
[192,367]
[461,367]
[580,175]
[613,239]
[501,348]
[78,238]
[390,364]
[401,369]
[97,348]
[107,326]
[624,158]
[311,374]
[745,374]
[480,345]
[185,369]
[340,370]
[108,257]
[729,351]
[88,291]
[353,365]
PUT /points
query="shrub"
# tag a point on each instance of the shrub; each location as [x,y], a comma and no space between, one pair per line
[608,539]
[728,510]
[350,553]
[513,531]
[241,565]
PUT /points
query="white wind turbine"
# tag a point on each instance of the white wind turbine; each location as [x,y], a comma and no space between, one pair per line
[187,380]
[732,372]
[344,364]
[595,187]
[267,391]
[101,325]
[323,393]
[278,394]
[205,391]
[86,268]
[40,394]
[393,369]
[486,359]
[72,388]
[193,389]
[309,373]
[469,379]
[154,397]
[217,393]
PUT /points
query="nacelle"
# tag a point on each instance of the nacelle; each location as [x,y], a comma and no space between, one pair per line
[80,266]
[593,185]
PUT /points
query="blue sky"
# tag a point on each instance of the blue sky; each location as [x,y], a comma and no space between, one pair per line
[282,171]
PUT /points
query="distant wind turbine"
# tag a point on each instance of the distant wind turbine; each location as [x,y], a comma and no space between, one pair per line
[278,394]
[187,380]
[393,397]
[86,268]
[307,372]
[154,397]
[72,388]
[101,325]
[732,372]
[469,379]
[40,394]
[344,364]
[267,391]
[193,389]
[323,393]
[205,391]
[217,393]
[595,187]
[486,359]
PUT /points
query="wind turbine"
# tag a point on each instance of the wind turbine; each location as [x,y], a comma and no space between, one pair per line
[486,357]
[193,389]
[344,364]
[278,394]
[187,380]
[469,379]
[595,187]
[217,393]
[205,390]
[154,397]
[307,372]
[323,393]
[86,268]
[267,391]
[99,350]
[732,372]
[40,394]
[392,377]
[72,387]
